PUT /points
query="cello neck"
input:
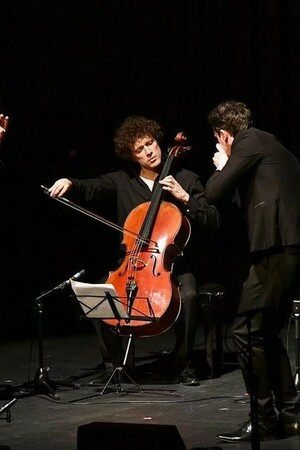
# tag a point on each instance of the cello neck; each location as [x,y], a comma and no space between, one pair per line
[155,201]
[158,191]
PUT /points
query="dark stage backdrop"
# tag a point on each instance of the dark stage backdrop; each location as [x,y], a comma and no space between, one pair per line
[72,71]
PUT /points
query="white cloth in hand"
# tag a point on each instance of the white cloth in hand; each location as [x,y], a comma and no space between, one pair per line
[220,158]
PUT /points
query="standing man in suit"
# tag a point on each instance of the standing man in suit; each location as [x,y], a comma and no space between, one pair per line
[266,176]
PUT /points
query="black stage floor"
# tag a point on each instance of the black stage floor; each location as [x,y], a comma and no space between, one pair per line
[195,414]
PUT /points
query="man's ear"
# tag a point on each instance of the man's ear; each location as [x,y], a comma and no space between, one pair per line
[226,136]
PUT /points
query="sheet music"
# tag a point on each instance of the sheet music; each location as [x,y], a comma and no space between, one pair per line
[94,301]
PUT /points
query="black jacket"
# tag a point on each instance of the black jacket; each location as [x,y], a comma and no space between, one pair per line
[267,177]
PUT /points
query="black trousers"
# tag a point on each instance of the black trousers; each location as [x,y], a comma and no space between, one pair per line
[187,323]
[266,301]
[185,327]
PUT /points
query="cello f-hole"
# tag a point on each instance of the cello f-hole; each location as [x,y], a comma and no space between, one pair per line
[154,266]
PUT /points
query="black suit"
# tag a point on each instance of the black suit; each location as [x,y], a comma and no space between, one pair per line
[267,177]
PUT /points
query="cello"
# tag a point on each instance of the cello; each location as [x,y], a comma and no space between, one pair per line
[144,282]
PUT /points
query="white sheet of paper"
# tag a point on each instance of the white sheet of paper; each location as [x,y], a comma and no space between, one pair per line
[93,299]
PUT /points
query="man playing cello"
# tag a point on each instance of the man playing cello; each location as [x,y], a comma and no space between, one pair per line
[137,141]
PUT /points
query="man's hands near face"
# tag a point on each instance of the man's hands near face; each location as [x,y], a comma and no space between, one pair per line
[220,158]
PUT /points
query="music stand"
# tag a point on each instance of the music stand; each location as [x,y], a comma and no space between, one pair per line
[101,301]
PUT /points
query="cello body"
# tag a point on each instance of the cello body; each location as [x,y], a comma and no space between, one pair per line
[144,282]
[147,267]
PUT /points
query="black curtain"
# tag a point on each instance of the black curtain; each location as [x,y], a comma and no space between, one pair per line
[72,71]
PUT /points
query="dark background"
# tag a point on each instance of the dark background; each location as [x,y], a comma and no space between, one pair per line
[72,71]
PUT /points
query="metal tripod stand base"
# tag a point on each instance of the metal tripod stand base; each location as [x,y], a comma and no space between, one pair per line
[42,385]
[118,372]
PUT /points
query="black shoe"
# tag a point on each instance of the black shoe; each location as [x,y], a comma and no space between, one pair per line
[188,377]
[102,377]
[245,432]
[291,429]
[288,426]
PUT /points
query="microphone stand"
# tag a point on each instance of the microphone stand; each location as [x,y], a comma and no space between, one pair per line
[6,409]
[42,384]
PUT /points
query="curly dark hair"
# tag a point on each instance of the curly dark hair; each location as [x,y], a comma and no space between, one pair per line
[133,128]
[232,115]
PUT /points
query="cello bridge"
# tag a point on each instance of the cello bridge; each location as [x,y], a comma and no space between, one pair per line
[137,263]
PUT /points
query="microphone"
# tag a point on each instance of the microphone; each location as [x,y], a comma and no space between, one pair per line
[65,283]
